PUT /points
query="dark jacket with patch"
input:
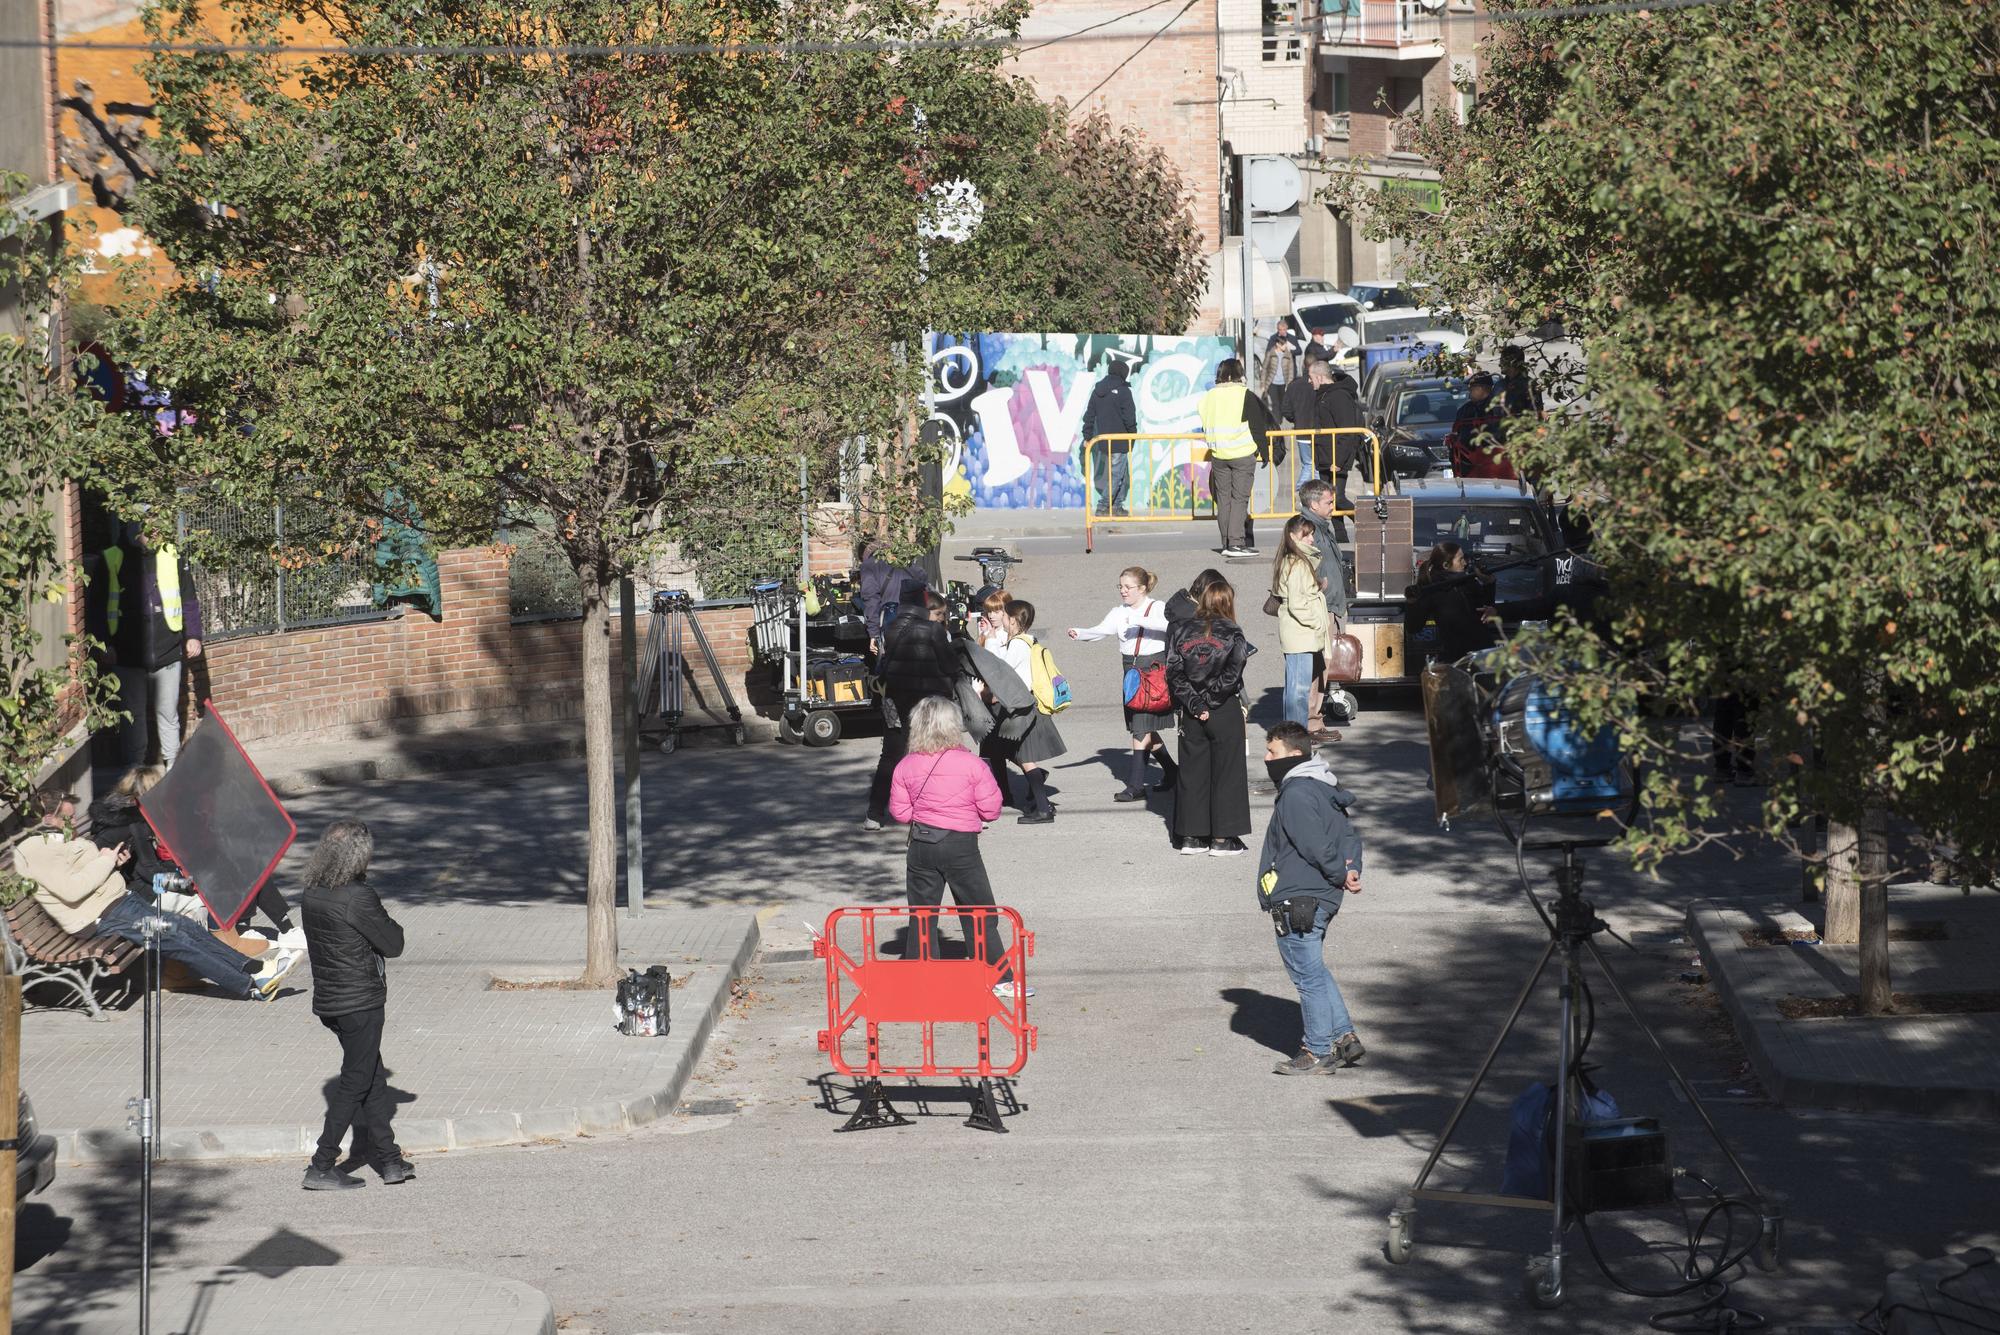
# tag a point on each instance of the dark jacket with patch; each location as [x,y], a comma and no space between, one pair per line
[1310,844]
[349,936]
[1205,662]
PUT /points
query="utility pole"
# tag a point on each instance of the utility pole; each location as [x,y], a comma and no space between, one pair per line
[10,1129]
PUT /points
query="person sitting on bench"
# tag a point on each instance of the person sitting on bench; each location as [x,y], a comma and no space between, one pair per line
[82,888]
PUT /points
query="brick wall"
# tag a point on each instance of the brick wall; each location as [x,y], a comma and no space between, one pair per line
[475,662]
[1168,90]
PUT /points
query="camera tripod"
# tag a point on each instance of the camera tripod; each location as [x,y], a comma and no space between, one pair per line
[673,618]
[1571,928]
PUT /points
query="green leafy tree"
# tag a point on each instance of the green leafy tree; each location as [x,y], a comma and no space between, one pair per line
[48,686]
[622,295]
[1769,227]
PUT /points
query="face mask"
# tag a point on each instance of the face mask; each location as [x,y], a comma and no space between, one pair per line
[1282,766]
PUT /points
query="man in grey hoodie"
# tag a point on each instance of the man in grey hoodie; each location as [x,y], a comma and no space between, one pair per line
[1310,863]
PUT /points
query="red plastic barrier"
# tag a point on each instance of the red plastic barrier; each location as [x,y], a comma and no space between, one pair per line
[871,990]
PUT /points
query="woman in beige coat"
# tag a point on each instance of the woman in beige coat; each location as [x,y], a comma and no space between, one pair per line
[1302,619]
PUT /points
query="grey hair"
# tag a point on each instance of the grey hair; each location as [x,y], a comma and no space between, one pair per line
[342,855]
[1313,490]
[936,725]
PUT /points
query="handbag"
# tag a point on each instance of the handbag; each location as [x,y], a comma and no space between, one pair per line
[1146,690]
[1343,659]
[1273,605]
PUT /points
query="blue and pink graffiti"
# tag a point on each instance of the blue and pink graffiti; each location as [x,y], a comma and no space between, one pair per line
[1012,406]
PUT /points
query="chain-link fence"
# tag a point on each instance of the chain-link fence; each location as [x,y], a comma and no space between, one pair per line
[246,589]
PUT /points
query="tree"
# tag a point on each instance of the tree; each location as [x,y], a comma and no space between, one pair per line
[1769,228]
[52,434]
[621,295]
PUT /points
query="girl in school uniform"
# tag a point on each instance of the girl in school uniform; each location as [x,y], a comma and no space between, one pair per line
[1139,624]
[1041,743]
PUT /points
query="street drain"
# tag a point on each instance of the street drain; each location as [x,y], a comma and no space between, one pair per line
[709,1107]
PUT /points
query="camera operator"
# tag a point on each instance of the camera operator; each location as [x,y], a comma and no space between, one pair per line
[351,936]
[1310,863]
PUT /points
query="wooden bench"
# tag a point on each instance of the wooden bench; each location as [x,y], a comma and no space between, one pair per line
[40,951]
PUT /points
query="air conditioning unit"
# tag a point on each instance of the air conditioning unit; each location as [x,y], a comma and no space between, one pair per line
[1314,146]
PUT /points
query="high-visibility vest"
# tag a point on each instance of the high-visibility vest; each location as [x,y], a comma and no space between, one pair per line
[1221,411]
[167,574]
[114,590]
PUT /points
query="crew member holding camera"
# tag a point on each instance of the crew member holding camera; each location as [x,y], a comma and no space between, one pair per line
[1311,861]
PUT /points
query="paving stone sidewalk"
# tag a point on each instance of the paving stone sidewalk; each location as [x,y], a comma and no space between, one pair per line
[1929,1065]
[469,1065]
[306,1300]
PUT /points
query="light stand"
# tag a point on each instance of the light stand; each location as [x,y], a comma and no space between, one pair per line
[145,1117]
[1571,927]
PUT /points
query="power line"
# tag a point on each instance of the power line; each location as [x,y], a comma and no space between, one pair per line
[854,46]
[1134,55]
[1093,27]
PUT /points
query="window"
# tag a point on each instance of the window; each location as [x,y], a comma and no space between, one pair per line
[1284,38]
[1466,100]
[1336,97]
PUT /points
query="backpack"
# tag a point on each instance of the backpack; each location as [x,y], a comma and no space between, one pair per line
[1052,694]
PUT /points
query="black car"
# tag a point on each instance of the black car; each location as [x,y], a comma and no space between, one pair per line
[35,1161]
[1415,423]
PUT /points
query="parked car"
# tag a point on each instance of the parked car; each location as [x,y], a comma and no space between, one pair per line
[35,1161]
[1416,424]
[1328,311]
[1313,287]
[1381,294]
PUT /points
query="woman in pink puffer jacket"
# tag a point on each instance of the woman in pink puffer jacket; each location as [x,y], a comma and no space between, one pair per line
[946,794]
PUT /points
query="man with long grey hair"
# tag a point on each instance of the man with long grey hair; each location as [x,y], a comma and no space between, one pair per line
[349,936]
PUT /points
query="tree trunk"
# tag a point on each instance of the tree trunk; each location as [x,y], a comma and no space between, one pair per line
[600,962]
[1857,898]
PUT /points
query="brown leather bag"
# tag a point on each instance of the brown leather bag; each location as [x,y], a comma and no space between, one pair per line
[1343,659]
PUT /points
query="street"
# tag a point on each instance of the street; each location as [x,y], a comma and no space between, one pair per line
[1156,1175]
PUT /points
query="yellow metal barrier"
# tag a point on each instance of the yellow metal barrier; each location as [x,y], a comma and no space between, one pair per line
[1166,478]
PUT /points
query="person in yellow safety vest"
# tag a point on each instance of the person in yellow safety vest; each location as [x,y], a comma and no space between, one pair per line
[1237,426]
[152,620]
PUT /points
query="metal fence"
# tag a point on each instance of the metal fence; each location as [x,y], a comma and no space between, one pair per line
[246,590]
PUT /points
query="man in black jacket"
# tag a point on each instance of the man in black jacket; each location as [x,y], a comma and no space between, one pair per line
[1338,403]
[1310,863]
[917,660]
[1111,412]
[349,936]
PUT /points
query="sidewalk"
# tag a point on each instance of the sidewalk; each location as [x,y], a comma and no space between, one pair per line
[469,1066]
[1931,1065]
[308,1300]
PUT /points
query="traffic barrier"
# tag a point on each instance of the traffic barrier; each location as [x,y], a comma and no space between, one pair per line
[1167,477]
[913,995]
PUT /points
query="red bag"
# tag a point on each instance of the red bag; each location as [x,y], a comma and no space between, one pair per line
[1148,694]
[1343,659]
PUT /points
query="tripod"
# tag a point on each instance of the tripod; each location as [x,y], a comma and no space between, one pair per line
[145,1118]
[673,618]
[1570,930]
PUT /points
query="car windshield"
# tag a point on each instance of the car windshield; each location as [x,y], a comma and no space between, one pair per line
[1401,325]
[1499,531]
[1429,405]
[1336,315]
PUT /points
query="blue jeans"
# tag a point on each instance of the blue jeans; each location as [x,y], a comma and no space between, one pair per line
[1113,468]
[1298,689]
[1319,996]
[183,941]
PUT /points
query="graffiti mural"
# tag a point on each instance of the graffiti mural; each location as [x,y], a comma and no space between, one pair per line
[1012,407]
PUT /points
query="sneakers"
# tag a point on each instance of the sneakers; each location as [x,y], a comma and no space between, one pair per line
[396,1170]
[1347,1051]
[1043,817]
[1239,551]
[1226,848]
[330,1179]
[271,971]
[1193,848]
[295,939]
[1005,991]
[1304,1064]
[872,826]
[1127,795]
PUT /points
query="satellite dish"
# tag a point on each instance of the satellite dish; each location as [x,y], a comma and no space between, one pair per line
[1346,337]
[1431,6]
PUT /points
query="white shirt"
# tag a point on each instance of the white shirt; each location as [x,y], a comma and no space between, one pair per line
[1014,653]
[1139,630]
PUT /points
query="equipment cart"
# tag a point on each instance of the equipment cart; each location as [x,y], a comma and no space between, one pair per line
[819,659]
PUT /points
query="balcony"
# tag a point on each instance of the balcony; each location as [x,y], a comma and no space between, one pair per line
[1382,30]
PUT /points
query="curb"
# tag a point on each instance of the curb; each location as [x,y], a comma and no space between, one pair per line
[482,1130]
[1940,1103]
[420,762]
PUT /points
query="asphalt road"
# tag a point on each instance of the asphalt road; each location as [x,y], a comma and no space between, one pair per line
[1156,1175]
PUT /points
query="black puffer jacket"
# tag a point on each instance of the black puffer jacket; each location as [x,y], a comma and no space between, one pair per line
[115,820]
[348,936]
[917,660]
